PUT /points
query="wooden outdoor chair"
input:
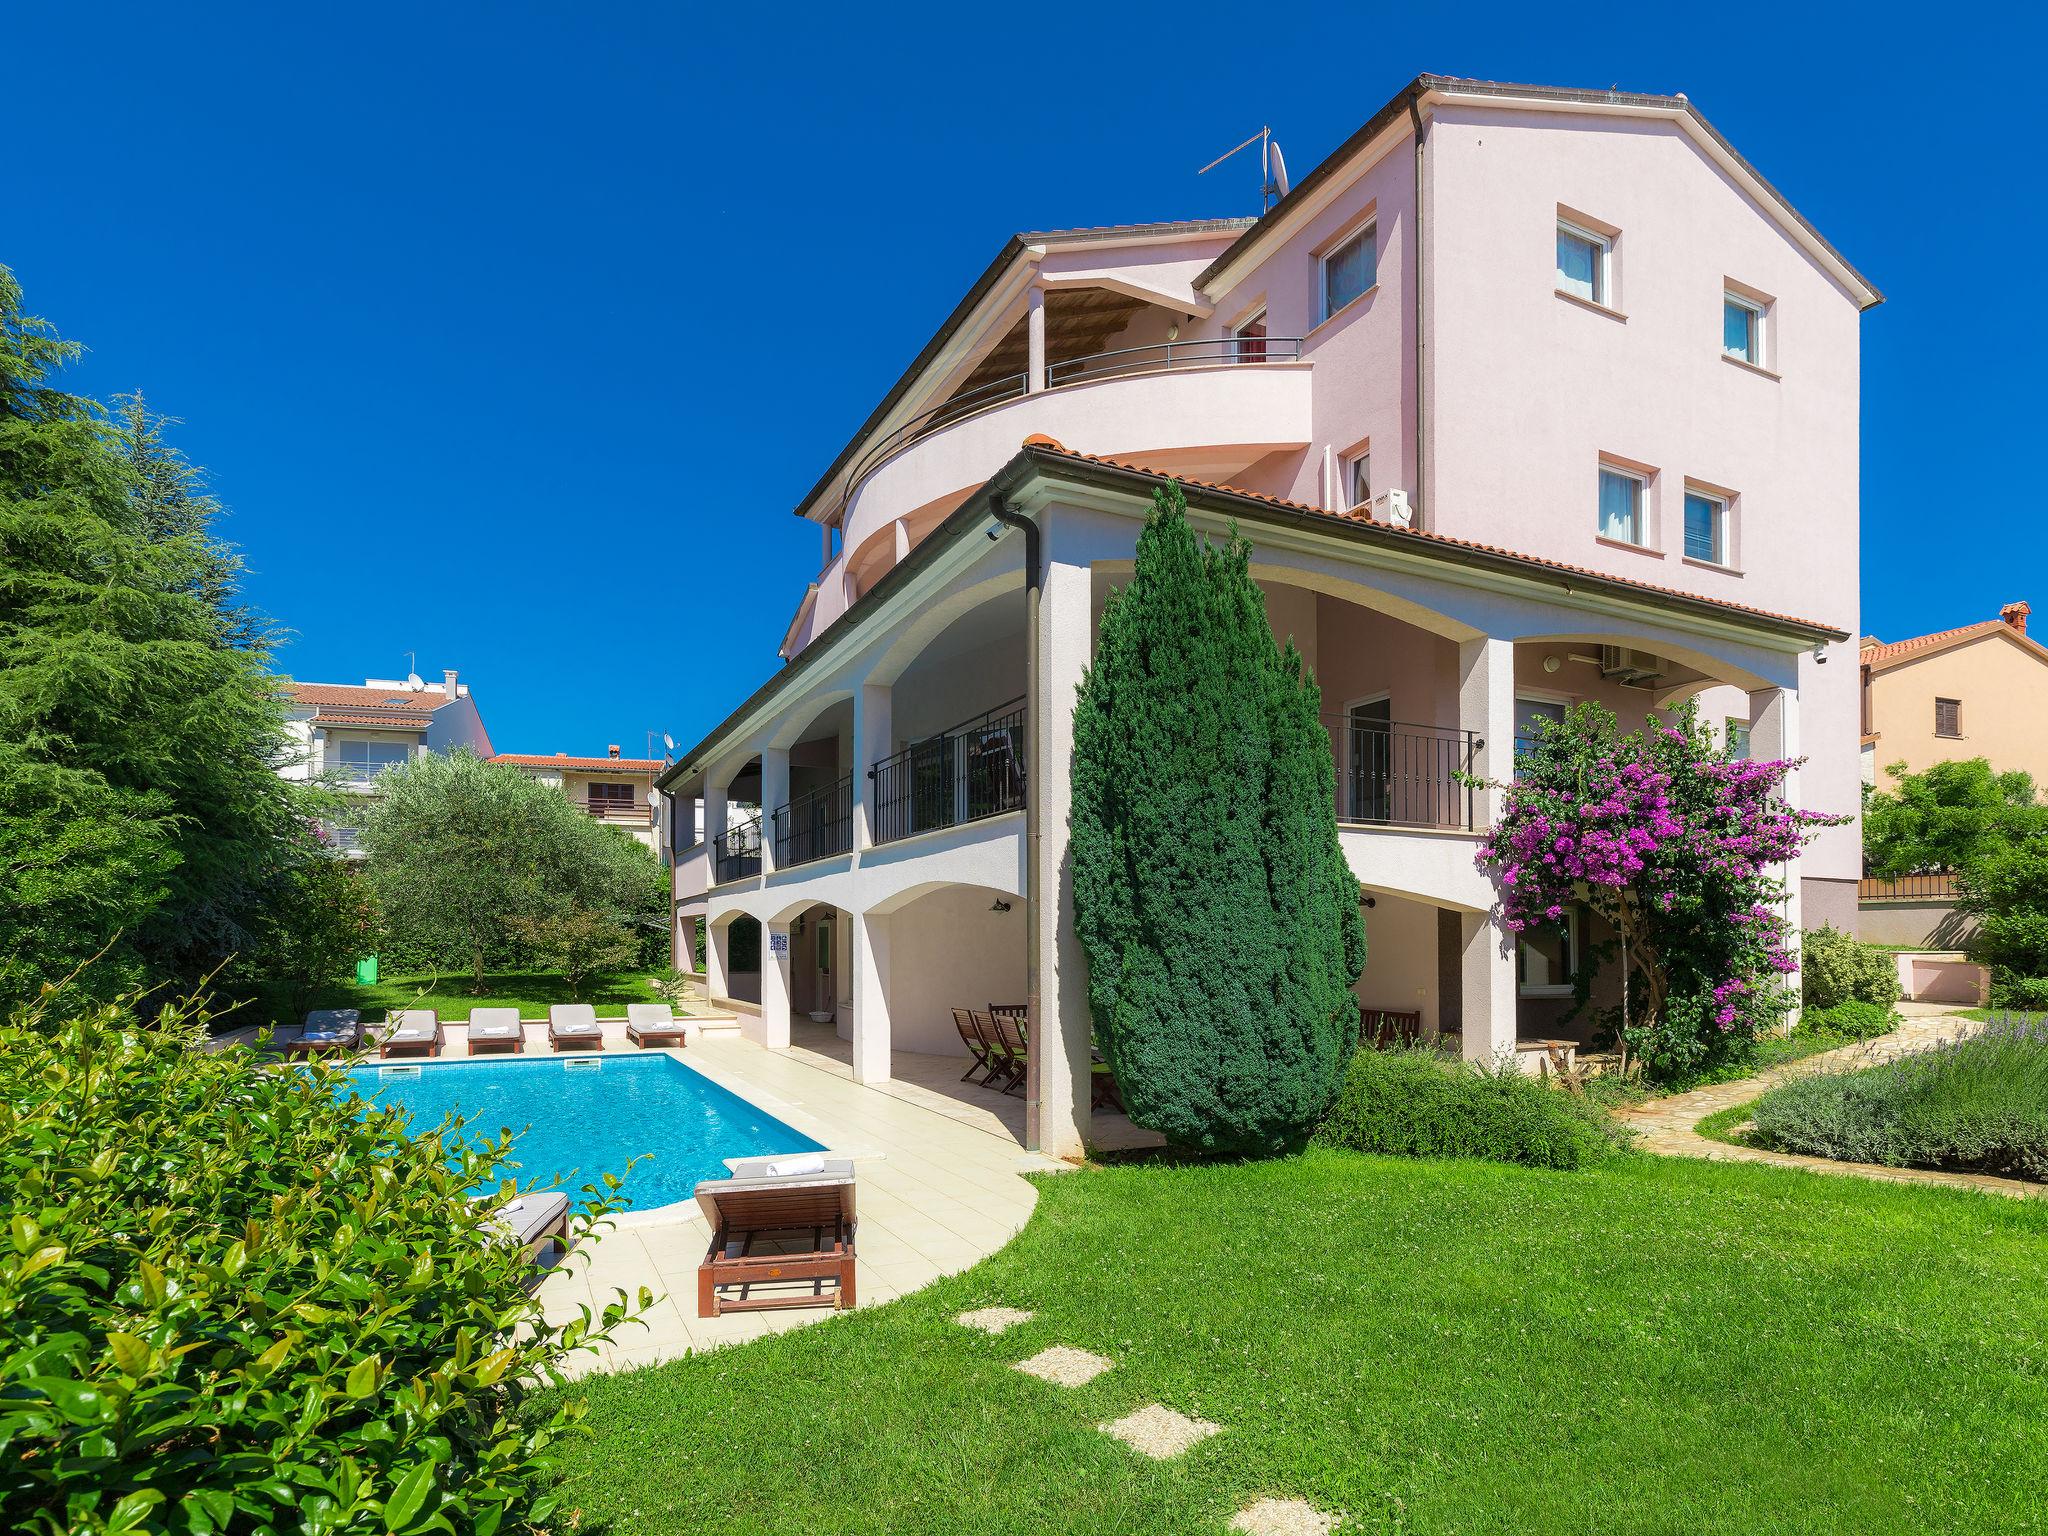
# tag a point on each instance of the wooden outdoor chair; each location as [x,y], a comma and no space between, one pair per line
[1382,1027]
[781,1239]
[970,1036]
[1010,1021]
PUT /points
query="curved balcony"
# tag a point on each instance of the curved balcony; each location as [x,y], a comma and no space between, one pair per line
[1207,404]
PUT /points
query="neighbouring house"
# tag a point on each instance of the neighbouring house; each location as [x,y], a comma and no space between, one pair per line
[349,734]
[1522,397]
[1978,691]
[617,790]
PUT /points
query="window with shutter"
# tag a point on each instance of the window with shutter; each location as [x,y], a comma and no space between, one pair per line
[1948,717]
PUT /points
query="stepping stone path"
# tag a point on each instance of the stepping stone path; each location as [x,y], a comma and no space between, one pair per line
[1159,1432]
[1282,1517]
[993,1320]
[1065,1367]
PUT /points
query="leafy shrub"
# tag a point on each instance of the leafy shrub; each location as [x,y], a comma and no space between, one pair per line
[233,1301]
[1835,968]
[1418,1102]
[2026,992]
[1975,1104]
[1853,1019]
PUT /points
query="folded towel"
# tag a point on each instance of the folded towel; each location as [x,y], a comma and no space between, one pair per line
[808,1162]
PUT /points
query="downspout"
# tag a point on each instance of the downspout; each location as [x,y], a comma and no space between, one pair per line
[1034,735]
[1421,498]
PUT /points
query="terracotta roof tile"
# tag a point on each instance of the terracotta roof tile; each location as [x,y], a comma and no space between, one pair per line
[580,764]
[1049,445]
[350,696]
[393,721]
[1877,653]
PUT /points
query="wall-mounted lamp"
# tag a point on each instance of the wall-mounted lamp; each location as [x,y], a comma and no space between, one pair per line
[1552,663]
[1820,653]
[1000,905]
[1369,901]
[1173,331]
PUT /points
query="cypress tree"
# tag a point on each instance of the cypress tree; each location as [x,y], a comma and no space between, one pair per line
[1220,920]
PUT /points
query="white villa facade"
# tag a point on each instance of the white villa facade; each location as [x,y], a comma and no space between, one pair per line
[1523,397]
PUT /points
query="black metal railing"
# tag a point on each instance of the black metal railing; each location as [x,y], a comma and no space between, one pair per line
[1121,363]
[1393,774]
[964,774]
[815,825]
[736,853]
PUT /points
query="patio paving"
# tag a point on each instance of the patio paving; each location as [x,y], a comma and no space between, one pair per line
[940,1180]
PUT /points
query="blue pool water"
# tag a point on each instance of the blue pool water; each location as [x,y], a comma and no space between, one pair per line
[577,1119]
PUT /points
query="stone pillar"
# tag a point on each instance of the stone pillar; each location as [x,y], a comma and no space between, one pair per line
[1056,1118]
[873,739]
[1486,708]
[870,955]
[1774,734]
[1034,331]
[774,796]
[1487,976]
[775,985]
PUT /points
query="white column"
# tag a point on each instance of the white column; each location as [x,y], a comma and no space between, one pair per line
[683,953]
[774,795]
[714,818]
[902,540]
[871,1029]
[1034,331]
[1486,708]
[873,739]
[716,967]
[1488,971]
[1061,1031]
[1774,734]
[775,985]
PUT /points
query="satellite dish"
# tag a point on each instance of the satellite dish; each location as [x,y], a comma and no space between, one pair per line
[668,741]
[413,682]
[1276,173]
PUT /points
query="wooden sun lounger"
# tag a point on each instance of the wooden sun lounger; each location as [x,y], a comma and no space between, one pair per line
[533,1221]
[574,1027]
[655,1024]
[792,1235]
[411,1030]
[496,1029]
[326,1029]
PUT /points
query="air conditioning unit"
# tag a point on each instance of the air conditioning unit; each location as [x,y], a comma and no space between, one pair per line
[1392,507]
[1632,668]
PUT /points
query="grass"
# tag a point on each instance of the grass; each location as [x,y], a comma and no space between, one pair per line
[1720,1125]
[453,996]
[1656,1345]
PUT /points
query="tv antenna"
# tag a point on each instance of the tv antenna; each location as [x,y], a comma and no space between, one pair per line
[1272,166]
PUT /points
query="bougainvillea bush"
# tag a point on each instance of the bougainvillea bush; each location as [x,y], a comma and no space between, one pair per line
[1680,849]
[234,1301]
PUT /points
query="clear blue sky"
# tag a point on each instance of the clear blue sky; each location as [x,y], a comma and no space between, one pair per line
[472,310]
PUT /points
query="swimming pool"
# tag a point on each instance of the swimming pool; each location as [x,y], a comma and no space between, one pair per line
[578,1117]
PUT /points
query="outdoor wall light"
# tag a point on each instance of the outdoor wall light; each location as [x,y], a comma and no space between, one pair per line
[1551,663]
[1000,906]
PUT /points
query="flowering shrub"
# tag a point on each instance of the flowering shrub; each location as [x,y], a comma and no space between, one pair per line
[1678,848]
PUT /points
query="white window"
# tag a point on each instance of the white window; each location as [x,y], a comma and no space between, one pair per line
[1584,260]
[1742,328]
[1350,269]
[362,761]
[1738,740]
[1706,527]
[1251,340]
[1547,957]
[1358,480]
[1529,710]
[1621,505]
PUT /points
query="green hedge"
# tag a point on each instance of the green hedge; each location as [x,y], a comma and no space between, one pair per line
[1835,969]
[1853,1019]
[1418,1102]
[2025,992]
[1979,1104]
[233,1301]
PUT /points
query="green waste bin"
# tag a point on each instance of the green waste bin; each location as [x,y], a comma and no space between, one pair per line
[366,971]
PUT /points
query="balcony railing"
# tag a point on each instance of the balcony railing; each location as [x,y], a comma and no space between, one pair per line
[815,825]
[615,810]
[961,775]
[1392,774]
[736,853]
[1929,885]
[1124,362]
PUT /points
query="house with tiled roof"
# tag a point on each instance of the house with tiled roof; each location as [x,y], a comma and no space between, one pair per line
[347,733]
[616,790]
[1523,397]
[1977,691]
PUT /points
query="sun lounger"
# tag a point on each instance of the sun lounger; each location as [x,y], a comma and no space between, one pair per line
[411,1030]
[782,1232]
[533,1221]
[327,1029]
[573,1027]
[655,1024]
[495,1029]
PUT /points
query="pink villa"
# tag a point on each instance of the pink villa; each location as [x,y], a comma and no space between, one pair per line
[1523,397]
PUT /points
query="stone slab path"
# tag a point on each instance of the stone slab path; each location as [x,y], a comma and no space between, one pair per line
[1670,1126]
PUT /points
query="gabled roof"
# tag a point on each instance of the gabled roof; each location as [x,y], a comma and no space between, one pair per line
[389,720]
[580,764]
[1676,108]
[1881,656]
[323,696]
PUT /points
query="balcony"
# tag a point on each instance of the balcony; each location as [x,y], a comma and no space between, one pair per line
[1392,774]
[616,810]
[815,825]
[736,853]
[970,772]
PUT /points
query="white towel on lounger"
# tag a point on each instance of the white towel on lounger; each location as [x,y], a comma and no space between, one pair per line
[808,1162]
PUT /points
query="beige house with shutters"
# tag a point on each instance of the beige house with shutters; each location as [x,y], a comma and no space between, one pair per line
[1978,691]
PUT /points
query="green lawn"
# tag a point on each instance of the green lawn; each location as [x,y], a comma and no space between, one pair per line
[452,996]
[1658,1345]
